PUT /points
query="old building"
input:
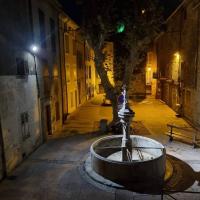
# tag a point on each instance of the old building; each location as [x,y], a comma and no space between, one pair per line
[30,103]
[68,34]
[151,73]
[178,61]
[45,35]
[92,79]
[19,103]
[81,69]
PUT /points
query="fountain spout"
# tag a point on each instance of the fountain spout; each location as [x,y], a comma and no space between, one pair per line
[126,114]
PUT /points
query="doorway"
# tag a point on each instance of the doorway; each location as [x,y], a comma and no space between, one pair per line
[76,98]
[48,120]
[79,92]
[2,156]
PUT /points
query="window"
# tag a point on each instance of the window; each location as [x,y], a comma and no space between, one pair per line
[66,44]
[57,107]
[47,86]
[22,68]
[53,35]
[74,47]
[79,60]
[42,28]
[67,69]
[25,125]
[90,73]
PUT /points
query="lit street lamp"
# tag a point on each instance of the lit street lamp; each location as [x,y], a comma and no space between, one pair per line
[34,49]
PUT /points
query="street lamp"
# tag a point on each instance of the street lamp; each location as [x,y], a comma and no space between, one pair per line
[34,49]
[177,55]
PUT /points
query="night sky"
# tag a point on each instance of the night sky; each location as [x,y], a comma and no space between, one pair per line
[72,10]
[75,12]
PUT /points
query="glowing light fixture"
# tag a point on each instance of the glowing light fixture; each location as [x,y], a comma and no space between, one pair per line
[120,27]
[143,11]
[177,55]
[149,68]
[34,48]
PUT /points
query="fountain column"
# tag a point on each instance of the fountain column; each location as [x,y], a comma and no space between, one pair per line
[126,114]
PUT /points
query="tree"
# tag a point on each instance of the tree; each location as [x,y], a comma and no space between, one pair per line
[131,25]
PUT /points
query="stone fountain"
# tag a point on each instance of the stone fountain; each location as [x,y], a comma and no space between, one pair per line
[129,161]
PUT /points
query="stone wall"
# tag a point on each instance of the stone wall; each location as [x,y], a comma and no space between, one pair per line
[138,86]
[22,101]
[178,59]
[18,96]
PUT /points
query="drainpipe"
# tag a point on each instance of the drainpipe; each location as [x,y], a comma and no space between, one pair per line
[84,60]
[60,66]
[36,74]
[197,47]
[65,67]
[180,111]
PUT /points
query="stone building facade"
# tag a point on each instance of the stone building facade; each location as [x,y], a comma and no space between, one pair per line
[46,37]
[178,61]
[69,44]
[19,102]
[92,83]
[47,70]
[30,103]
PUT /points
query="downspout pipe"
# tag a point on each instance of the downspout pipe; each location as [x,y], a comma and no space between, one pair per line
[60,66]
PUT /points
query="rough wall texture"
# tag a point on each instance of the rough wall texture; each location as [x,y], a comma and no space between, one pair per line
[138,86]
[20,107]
[48,65]
[178,54]
[16,97]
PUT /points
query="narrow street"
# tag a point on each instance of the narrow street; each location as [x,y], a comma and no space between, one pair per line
[53,171]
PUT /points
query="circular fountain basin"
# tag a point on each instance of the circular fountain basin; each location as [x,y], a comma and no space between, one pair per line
[145,171]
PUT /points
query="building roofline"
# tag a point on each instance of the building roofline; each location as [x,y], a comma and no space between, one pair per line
[173,13]
[176,10]
[64,15]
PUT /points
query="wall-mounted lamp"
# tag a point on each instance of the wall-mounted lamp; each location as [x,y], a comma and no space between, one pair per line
[143,11]
[149,69]
[177,55]
[34,48]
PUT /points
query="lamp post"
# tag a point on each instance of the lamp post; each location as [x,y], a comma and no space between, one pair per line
[34,50]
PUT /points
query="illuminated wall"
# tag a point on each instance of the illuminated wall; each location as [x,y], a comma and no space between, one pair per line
[179,62]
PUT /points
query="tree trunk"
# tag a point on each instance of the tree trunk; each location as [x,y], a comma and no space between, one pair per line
[115,109]
[108,87]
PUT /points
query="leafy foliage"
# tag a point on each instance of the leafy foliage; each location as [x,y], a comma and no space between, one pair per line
[130,25]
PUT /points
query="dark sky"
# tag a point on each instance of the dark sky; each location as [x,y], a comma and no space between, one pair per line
[72,9]
[74,12]
[169,6]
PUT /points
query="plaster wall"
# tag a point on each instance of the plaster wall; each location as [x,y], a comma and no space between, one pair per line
[179,61]
[48,63]
[18,96]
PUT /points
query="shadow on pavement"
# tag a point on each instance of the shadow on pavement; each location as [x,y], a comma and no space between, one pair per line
[183,177]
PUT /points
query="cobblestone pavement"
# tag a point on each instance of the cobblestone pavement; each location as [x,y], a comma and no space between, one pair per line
[53,171]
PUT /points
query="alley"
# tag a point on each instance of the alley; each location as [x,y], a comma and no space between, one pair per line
[54,170]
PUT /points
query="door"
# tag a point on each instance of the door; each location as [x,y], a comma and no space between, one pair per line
[2,156]
[79,92]
[76,98]
[48,120]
